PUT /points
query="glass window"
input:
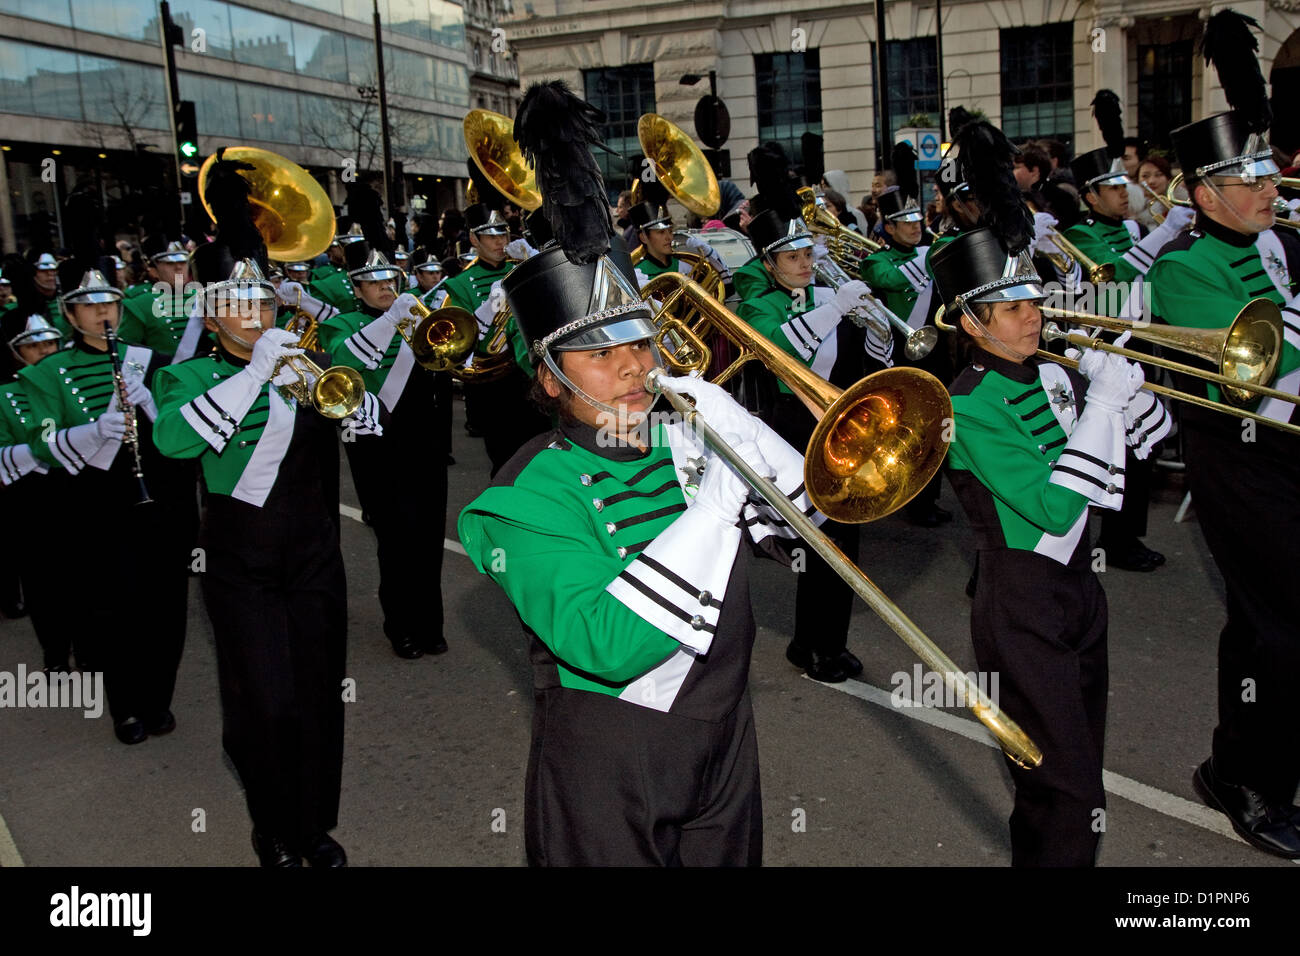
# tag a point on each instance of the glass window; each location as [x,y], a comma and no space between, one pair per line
[1164,89]
[212,18]
[913,70]
[268,113]
[261,40]
[624,93]
[55,11]
[361,61]
[39,80]
[327,6]
[409,74]
[216,105]
[329,123]
[118,92]
[129,19]
[320,53]
[448,22]
[1038,82]
[362,10]
[789,89]
[407,17]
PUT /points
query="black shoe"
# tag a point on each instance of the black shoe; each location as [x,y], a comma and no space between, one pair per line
[1131,557]
[272,851]
[323,850]
[1268,828]
[161,726]
[1155,557]
[131,731]
[827,668]
[852,666]
[405,646]
[437,645]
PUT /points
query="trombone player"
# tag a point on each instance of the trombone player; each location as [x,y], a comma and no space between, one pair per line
[1243,479]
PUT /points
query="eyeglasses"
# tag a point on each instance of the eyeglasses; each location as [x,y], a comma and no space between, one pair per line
[1255,186]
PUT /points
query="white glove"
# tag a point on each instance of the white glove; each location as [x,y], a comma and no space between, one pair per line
[288,291]
[520,249]
[693,243]
[138,394]
[111,426]
[1044,222]
[272,346]
[1178,219]
[723,492]
[1113,381]
[716,406]
[820,252]
[400,309]
[850,295]
[497,297]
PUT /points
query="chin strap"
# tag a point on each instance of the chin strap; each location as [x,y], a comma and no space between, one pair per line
[1247,228]
[1007,351]
[614,413]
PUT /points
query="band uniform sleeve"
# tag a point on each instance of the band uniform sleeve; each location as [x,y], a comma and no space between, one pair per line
[549,565]
[883,276]
[361,349]
[70,447]
[1146,423]
[191,420]
[988,445]
[790,333]
[1100,252]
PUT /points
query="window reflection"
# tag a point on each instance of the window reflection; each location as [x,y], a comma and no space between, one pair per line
[269,114]
[216,107]
[212,18]
[320,53]
[129,19]
[261,40]
[55,11]
[121,93]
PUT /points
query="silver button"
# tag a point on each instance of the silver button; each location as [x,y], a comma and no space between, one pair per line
[1005,400]
[1110,489]
[697,622]
[1110,470]
[1042,448]
[598,504]
[622,552]
[81,400]
[585,479]
[705,598]
[611,528]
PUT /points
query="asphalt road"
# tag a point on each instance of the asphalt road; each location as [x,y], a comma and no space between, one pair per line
[436,748]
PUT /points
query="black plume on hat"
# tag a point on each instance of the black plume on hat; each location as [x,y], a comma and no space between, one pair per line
[556,131]
[903,160]
[654,192]
[985,159]
[355,254]
[1231,47]
[769,170]
[364,207]
[1107,111]
[958,118]
[236,235]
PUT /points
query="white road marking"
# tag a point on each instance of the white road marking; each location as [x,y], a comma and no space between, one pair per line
[1150,797]
[9,855]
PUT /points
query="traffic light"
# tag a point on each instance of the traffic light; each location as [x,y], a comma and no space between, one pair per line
[187,133]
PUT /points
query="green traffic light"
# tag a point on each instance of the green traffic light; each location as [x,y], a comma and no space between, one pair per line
[188,149]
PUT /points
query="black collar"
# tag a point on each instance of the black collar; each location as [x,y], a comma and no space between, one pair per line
[660,263]
[220,352]
[1025,372]
[1232,237]
[369,310]
[598,442]
[1105,220]
[79,343]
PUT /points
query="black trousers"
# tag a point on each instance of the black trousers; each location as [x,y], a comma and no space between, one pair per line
[823,602]
[277,598]
[1130,522]
[34,507]
[615,784]
[1248,505]
[1041,628]
[404,474]
[502,412]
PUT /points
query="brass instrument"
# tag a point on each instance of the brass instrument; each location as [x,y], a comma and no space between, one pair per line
[1246,353]
[702,270]
[845,246]
[920,342]
[1156,199]
[310,336]
[290,209]
[1281,212]
[337,391]
[875,446]
[490,139]
[441,339]
[678,164]
[1070,254]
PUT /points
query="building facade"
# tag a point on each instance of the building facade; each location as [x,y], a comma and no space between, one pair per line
[786,71]
[83,92]
[493,71]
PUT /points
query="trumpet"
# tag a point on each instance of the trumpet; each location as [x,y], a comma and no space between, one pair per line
[310,333]
[440,339]
[845,245]
[335,392]
[876,444]
[1246,353]
[920,342]
[1281,211]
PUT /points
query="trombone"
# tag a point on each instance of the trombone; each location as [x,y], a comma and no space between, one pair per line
[1246,353]
[1070,254]
[844,245]
[876,444]
[920,342]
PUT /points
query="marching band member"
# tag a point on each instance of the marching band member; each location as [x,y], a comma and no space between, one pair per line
[158,320]
[643,749]
[274,584]
[655,232]
[1240,476]
[427,276]
[415,442]
[32,500]
[1108,236]
[127,542]
[806,320]
[1034,446]
[330,282]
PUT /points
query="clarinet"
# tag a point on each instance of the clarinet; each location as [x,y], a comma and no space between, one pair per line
[132,436]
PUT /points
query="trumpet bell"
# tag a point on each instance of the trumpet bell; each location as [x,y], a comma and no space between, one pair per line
[291,210]
[878,444]
[921,343]
[679,164]
[490,138]
[338,391]
[444,338]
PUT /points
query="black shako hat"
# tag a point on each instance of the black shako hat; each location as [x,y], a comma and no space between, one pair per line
[1221,145]
[648,215]
[565,306]
[977,267]
[1098,168]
